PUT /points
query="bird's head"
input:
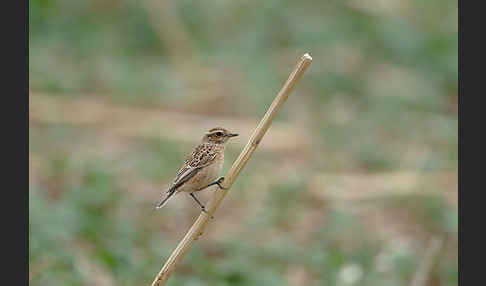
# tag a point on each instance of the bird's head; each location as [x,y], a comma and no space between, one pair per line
[218,135]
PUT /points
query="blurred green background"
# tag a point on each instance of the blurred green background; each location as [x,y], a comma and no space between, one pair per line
[355,183]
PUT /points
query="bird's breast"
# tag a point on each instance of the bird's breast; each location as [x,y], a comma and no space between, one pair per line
[204,177]
[212,171]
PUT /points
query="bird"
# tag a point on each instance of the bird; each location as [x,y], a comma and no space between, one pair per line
[202,167]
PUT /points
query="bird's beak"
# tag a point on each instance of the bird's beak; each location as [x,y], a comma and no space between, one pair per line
[232,135]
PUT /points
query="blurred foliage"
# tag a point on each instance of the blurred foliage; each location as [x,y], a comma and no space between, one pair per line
[381,96]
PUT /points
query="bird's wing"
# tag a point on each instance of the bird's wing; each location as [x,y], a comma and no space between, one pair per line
[184,174]
[202,156]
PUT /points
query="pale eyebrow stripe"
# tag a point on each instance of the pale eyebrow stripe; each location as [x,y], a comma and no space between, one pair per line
[216,128]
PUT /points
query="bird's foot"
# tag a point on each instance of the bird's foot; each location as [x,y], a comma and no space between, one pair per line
[219,182]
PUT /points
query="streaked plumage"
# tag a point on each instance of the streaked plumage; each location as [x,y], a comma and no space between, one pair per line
[202,166]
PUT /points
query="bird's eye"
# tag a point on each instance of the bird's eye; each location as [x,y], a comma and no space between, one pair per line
[219,133]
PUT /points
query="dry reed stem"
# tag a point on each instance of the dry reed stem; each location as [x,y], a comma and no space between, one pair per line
[433,250]
[198,227]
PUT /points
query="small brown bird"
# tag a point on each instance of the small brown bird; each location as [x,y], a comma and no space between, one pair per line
[202,167]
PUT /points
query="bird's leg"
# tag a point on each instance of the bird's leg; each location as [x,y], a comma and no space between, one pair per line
[217,182]
[198,202]
[203,208]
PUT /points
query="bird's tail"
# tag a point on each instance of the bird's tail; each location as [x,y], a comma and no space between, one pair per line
[164,201]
